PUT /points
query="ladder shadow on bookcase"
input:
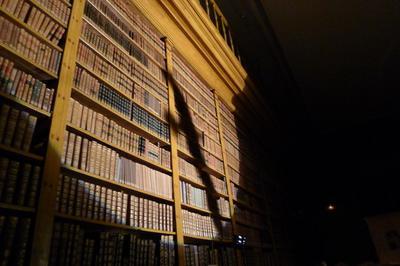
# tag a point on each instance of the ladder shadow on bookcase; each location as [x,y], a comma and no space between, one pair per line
[187,126]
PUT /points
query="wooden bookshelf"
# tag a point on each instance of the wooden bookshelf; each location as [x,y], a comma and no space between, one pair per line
[30,107]
[107,182]
[18,152]
[26,63]
[12,207]
[112,225]
[151,68]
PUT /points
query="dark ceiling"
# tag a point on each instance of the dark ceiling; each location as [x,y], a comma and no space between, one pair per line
[331,72]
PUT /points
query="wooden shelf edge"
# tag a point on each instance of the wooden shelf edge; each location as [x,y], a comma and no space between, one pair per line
[47,11]
[27,65]
[247,206]
[247,190]
[185,155]
[198,185]
[24,104]
[203,238]
[113,86]
[89,21]
[21,153]
[109,224]
[13,207]
[203,211]
[136,157]
[92,177]
[138,129]
[30,30]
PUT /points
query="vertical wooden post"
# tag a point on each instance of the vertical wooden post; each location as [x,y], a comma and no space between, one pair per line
[227,177]
[175,158]
[51,171]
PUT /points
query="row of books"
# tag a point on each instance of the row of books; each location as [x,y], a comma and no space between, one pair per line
[242,168]
[24,86]
[200,124]
[210,159]
[196,87]
[123,63]
[204,141]
[151,214]
[241,195]
[92,87]
[225,111]
[145,178]
[57,8]
[83,199]
[124,41]
[95,63]
[143,26]
[194,196]
[248,217]
[109,130]
[14,235]
[126,48]
[204,255]
[16,127]
[195,224]
[19,182]
[95,158]
[190,171]
[147,99]
[244,180]
[154,47]
[193,106]
[38,21]
[74,244]
[26,44]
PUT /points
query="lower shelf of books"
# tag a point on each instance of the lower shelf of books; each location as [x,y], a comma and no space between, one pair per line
[83,244]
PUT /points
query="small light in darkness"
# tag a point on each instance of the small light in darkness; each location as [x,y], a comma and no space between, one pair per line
[331,207]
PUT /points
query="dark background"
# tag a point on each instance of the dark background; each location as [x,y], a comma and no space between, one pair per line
[330,71]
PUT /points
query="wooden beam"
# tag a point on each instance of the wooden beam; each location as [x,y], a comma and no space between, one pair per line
[174,158]
[45,212]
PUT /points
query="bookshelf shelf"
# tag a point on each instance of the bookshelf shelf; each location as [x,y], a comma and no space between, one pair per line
[23,154]
[112,85]
[66,2]
[31,108]
[114,70]
[112,225]
[149,56]
[98,106]
[247,190]
[203,211]
[107,182]
[249,207]
[191,94]
[12,207]
[198,185]
[26,64]
[45,10]
[202,238]
[185,155]
[131,155]
[29,29]
[87,20]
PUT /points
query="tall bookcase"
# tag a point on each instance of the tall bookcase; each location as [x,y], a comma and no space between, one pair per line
[113,150]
